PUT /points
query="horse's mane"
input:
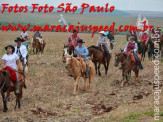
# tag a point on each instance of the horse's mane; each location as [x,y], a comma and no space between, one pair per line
[96,47]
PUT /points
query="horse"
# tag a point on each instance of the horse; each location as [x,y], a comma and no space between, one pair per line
[142,49]
[151,47]
[126,65]
[37,45]
[65,53]
[78,69]
[98,57]
[7,86]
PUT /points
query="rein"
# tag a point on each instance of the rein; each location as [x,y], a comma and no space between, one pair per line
[126,59]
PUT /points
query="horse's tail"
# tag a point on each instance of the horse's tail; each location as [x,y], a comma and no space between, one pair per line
[92,69]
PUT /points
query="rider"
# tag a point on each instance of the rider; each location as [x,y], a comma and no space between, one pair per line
[131,48]
[82,51]
[104,41]
[72,42]
[110,36]
[21,51]
[144,38]
[134,34]
[24,35]
[11,60]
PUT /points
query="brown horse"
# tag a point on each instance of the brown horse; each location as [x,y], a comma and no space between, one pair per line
[126,65]
[75,65]
[38,46]
[7,86]
[98,57]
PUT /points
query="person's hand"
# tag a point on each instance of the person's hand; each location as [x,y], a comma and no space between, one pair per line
[80,55]
[21,59]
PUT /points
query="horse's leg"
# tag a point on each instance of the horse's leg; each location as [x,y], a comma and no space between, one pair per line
[76,84]
[136,74]
[89,86]
[84,85]
[4,102]
[96,67]
[99,73]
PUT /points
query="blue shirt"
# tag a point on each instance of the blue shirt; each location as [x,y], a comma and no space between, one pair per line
[82,51]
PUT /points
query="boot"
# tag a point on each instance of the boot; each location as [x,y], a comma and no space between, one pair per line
[17,88]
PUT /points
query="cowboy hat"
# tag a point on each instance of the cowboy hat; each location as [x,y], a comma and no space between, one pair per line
[101,32]
[18,39]
[132,37]
[13,48]
[81,41]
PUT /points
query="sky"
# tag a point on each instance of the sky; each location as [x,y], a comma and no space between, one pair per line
[139,5]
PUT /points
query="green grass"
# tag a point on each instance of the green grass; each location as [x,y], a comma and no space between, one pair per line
[133,116]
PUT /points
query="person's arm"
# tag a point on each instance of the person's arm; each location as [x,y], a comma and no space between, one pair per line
[136,47]
[125,48]
[24,52]
[85,54]
[97,44]
[3,64]
[68,41]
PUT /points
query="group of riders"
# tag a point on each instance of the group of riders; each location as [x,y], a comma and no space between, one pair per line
[17,56]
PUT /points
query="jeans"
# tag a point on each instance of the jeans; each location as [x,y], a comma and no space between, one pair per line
[23,68]
[106,50]
[87,66]
[17,81]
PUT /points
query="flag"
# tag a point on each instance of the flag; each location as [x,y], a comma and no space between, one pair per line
[63,21]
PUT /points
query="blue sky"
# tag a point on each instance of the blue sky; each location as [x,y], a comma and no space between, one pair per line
[140,5]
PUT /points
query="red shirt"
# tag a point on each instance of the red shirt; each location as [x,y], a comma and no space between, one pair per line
[73,41]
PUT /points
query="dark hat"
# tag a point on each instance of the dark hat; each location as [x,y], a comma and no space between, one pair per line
[81,41]
[18,39]
[13,48]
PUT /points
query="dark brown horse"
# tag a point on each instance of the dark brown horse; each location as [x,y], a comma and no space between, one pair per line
[98,57]
[126,65]
[7,86]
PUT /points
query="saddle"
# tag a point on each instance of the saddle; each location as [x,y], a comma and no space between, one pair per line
[83,64]
[12,74]
[133,58]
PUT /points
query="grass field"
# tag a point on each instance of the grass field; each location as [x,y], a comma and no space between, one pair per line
[48,96]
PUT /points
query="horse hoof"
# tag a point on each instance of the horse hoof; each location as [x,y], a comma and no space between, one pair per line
[5,110]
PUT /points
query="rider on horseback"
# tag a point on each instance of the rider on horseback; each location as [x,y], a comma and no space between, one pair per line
[24,36]
[72,42]
[131,48]
[110,36]
[144,38]
[11,60]
[82,51]
[21,51]
[103,40]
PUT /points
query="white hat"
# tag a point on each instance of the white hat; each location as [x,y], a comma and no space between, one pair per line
[101,32]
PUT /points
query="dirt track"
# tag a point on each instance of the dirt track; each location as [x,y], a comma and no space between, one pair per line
[48,96]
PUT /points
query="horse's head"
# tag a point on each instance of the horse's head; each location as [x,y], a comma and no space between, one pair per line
[65,53]
[4,79]
[120,57]
[68,60]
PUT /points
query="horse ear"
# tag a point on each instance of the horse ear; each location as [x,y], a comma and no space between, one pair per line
[121,50]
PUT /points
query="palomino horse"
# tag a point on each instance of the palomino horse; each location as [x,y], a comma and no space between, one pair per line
[75,65]
[7,86]
[38,45]
[98,57]
[126,65]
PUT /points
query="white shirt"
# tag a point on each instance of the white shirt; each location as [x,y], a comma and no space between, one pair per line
[23,51]
[102,40]
[10,60]
[24,34]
